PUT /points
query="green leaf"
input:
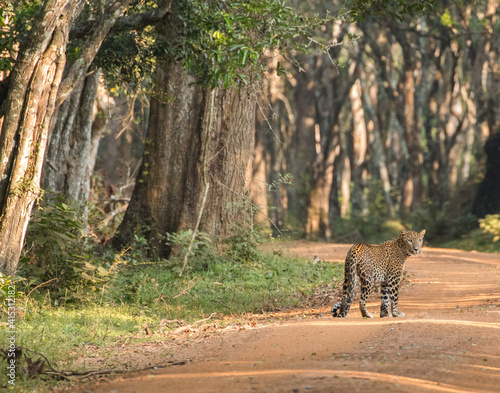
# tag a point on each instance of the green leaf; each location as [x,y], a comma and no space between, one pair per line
[103,272]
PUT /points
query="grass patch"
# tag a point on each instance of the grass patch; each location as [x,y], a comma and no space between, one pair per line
[270,283]
[149,293]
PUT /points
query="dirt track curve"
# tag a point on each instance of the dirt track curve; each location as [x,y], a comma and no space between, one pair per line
[449,342]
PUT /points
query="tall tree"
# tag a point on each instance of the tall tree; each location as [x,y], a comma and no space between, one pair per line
[35,87]
[197,160]
[75,135]
[73,143]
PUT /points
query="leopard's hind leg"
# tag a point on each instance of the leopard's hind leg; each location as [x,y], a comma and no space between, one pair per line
[385,296]
[348,294]
[341,309]
[366,288]
[335,309]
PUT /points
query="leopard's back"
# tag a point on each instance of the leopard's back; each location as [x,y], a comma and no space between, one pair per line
[374,261]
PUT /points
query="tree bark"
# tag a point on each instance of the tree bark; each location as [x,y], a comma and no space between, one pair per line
[413,185]
[359,144]
[29,108]
[370,98]
[259,184]
[71,153]
[332,89]
[301,153]
[195,137]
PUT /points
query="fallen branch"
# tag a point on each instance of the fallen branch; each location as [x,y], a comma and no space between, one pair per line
[127,338]
[167,322]
[188,328]
[203,320]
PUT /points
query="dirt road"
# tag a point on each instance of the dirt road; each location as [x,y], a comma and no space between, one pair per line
[449,342]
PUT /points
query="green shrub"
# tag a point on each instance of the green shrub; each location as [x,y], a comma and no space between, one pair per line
[491,225]
[58,252]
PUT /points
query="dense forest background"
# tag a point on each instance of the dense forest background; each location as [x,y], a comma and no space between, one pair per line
[390,124]
[378,126]
[168,123]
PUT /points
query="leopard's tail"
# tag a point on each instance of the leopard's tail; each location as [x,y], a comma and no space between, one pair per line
[341,309]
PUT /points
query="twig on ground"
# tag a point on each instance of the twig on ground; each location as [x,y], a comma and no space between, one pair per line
[127,338]
[191,284]
[41,285]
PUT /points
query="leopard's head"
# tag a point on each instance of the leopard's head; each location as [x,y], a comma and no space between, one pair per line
[413,240]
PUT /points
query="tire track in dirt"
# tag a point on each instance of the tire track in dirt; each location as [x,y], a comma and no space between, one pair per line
[449,342]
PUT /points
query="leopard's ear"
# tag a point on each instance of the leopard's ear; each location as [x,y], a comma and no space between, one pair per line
[422,233]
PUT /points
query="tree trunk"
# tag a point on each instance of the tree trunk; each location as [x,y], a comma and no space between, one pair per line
[345,182]
[29,107]
[279,126]
[259,184]
[318,215]
[72,149]
[370,97]
[332,87]
[359,144]
[196,139]
[302,148]
[488,196]
[412,186]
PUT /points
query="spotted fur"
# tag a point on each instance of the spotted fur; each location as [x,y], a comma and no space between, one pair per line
[382,263]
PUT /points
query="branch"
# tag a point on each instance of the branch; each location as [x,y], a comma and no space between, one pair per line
[202,208]
[129,22]
[80,66]
[41,285]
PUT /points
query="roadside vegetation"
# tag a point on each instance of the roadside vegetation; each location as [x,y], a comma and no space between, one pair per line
[73,293]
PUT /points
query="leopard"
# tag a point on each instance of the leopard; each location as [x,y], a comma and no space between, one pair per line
[371,263]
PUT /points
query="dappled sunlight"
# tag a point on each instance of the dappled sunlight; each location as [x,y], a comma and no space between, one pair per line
[453,302]
[483,355]
[312,373]
[482,261]
[476,371]
[391,321]
[497,369]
